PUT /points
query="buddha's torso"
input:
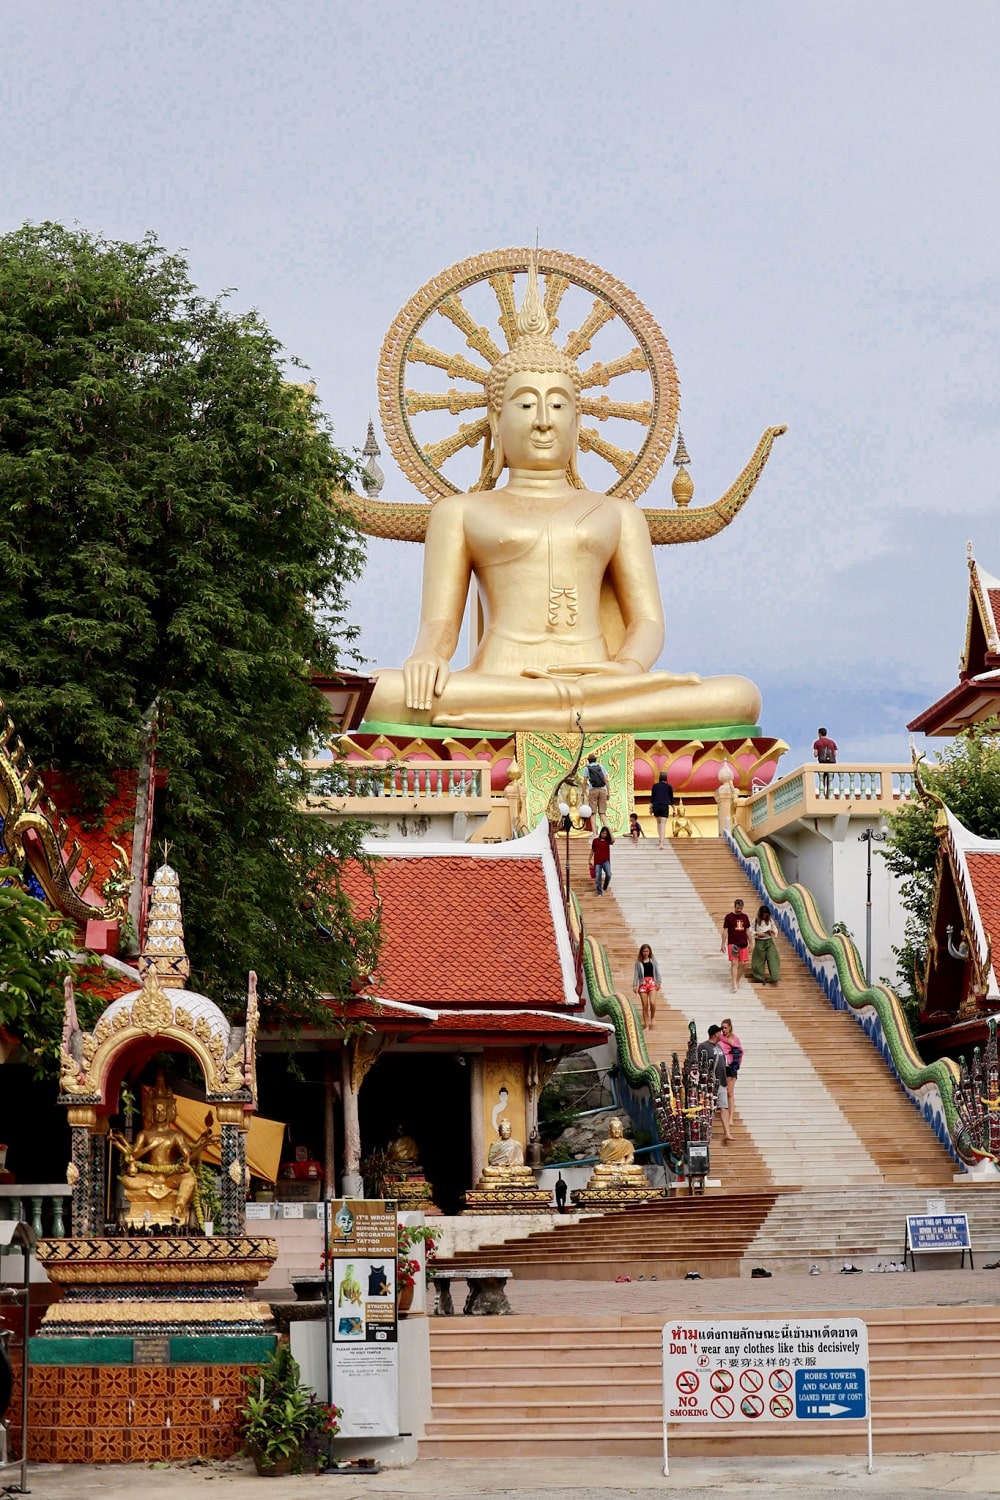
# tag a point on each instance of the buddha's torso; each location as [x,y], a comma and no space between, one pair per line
[540,572]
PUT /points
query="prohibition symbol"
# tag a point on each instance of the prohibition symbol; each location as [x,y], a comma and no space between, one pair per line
[752,1406]
[751,1380]
[780,1380]
[722,1406]
[687,1382]
[781,1406]
[721,1380]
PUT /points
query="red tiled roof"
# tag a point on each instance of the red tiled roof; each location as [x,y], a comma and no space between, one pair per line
[463,930]
[993,600]
[116,825]
[984,873]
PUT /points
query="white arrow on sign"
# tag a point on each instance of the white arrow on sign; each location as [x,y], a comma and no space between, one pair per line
[832,1409]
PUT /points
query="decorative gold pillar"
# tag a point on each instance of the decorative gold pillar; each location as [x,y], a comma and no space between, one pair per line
[233,1125]
[79,1173]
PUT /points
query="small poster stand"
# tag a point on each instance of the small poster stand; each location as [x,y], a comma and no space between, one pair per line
[935,1233]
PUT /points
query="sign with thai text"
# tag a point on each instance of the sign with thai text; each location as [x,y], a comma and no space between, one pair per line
[764,1370]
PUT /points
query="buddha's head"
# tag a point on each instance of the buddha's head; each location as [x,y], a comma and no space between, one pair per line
[504,1129]
[533,396]
[615,1129]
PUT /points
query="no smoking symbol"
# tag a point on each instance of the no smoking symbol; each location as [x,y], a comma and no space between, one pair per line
[722,1406]
[780,1380]
[687,1382]
[751,1380]
[781,1406]
[721,1380]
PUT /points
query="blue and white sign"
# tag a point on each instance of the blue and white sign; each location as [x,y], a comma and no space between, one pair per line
[938,1232]
[826,1394]
[763,1370]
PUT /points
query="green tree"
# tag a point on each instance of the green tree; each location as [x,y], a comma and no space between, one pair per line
[966,776]
[34,963]
[172,552]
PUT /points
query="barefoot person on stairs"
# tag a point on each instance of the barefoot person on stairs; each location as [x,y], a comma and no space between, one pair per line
[733,1050]
[721,1090]
[646,984]
[736,941]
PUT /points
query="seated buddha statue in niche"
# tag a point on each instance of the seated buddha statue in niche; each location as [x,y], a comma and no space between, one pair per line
[573,616]
[159,1179]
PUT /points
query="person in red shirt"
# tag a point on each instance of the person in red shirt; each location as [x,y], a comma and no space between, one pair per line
[600,858]
[736,941]
[825,751]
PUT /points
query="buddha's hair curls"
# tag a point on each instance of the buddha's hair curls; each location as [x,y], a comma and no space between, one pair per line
[532,352]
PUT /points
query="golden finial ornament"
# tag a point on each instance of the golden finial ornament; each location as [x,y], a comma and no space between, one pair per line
[682,488]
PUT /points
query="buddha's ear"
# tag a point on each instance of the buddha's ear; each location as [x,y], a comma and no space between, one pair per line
[498,457]
[572,471]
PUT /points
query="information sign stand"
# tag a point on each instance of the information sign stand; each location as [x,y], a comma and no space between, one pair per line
[930,1233]
[717,1373]
[363,1349]
[19,1237]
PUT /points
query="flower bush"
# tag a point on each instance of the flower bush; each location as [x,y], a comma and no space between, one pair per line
[408,1235]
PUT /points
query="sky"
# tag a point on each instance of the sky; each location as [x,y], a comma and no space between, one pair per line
[803,195]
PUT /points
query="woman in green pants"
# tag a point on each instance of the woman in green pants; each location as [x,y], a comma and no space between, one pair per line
[764,961]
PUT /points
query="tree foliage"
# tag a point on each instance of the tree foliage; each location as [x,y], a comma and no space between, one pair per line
[172,551]
[34,963]
[966,776]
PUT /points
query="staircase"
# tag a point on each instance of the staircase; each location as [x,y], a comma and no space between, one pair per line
[710,1235]
[815,1103]
[506,1387]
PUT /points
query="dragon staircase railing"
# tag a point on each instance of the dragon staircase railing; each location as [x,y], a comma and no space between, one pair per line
[639,1080]
[960,1102]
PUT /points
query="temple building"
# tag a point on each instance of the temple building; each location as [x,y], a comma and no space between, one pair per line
[976,698]
[960,993]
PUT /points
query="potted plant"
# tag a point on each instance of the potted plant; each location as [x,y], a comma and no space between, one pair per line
[281,1419]
[407,1268]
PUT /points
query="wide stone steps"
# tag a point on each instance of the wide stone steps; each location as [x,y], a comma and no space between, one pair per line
[665,1239]
[523,1385]
[692,884]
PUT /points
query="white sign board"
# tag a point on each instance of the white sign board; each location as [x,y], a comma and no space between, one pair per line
[803,1369]
[365,1355]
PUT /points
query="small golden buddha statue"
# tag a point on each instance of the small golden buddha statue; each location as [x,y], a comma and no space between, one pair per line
[403,1155]
[506,1158]
[616,1176]
[161,1164]
[573,617]
[506,1184]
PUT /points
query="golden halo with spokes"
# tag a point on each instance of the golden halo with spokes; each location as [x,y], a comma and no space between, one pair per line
[432,316]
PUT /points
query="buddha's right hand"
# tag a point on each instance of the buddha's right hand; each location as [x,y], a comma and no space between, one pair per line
[424,678]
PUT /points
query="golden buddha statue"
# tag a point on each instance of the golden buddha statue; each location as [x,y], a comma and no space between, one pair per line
[616,1176]
[571,603]
[506,1184]
[403,1155]
[404,1177]
[506,1157]
[161,1164]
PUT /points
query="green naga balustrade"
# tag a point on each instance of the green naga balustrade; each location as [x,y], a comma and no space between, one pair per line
[640,1076]
[836,965]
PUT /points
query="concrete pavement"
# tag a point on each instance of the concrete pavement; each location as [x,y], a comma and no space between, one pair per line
[931,1477]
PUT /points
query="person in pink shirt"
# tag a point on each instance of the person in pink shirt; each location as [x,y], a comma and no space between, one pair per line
[733,1053]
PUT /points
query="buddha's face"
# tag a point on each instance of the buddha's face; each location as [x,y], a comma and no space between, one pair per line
[615,1128]
[537,425]
[504,1130]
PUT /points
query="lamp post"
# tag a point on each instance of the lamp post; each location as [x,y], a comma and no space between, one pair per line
[869,837]
[563,806]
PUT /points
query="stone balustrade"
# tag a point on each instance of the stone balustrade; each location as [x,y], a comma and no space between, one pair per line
[43,1205]
[815,791]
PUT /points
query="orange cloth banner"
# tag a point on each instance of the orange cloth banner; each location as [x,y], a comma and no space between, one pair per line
[264,1138]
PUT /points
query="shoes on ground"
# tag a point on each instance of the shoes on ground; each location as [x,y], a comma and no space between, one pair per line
[993,1265]
[620,1279]
[814,1270]
[847,1269]
[759,1274]
[693,1276]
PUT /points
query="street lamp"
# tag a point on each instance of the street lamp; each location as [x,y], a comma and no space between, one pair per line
[869,837]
